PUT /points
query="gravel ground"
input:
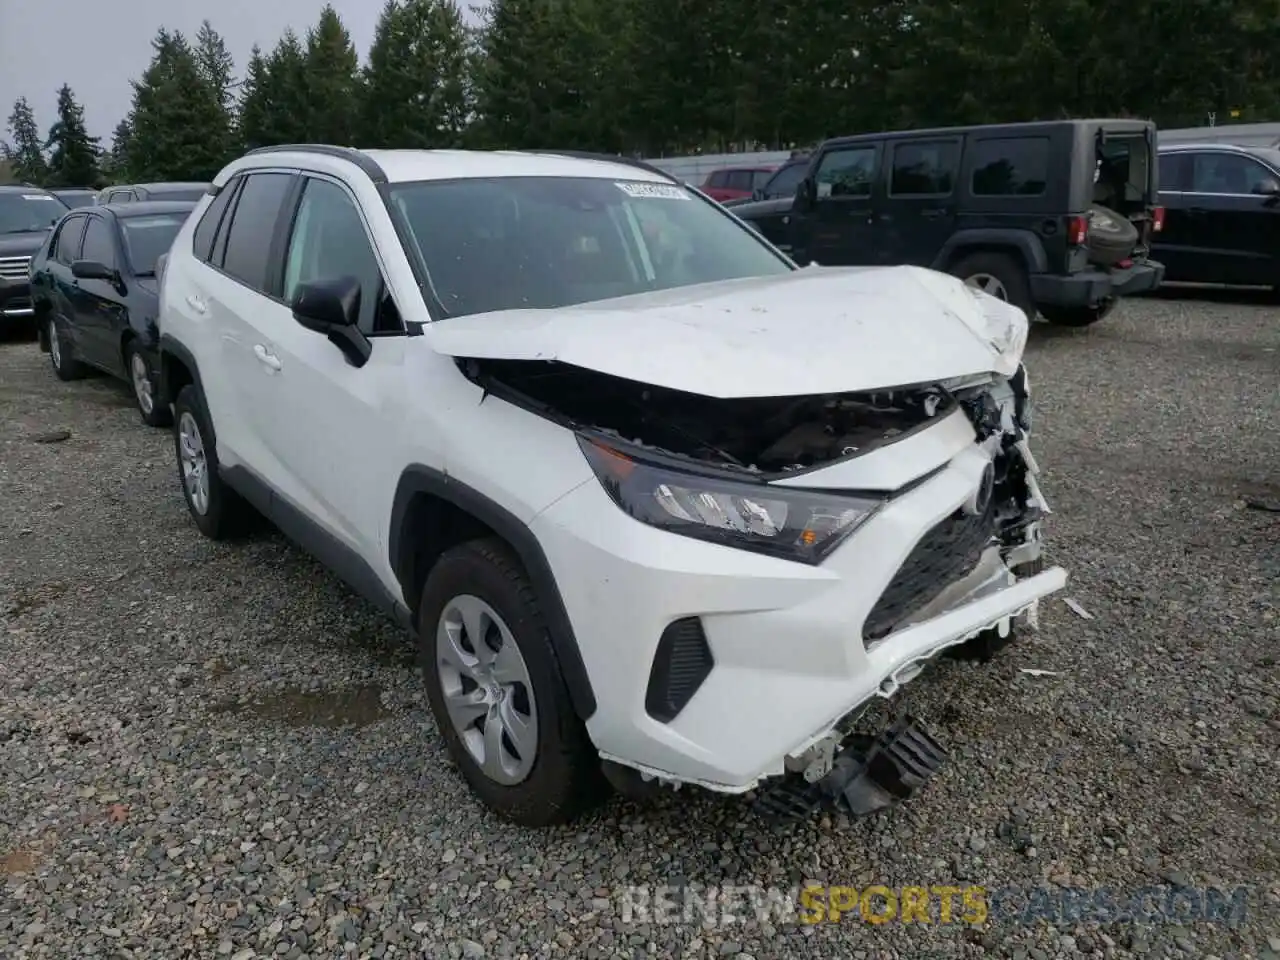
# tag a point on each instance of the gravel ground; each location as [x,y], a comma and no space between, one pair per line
[216,751]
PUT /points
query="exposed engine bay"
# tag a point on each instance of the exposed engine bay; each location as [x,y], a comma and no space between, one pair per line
[761,434]
[776,435]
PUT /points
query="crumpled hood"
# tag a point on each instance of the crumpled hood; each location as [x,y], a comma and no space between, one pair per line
[814,331]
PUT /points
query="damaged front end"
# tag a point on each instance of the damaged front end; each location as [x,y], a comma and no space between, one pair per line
[716,468]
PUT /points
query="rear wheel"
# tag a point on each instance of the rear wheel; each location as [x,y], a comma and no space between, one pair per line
[1000,275]
[217,510]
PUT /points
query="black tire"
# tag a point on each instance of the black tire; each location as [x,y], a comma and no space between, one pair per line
[65,365]
[159,415]
[987,644]
[1077,316]
[226,514]
[1008,270]
[1112,236]
[566,779]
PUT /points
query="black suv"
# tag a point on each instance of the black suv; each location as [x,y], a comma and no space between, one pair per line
[1223,224]
[1055,217]
[27,214]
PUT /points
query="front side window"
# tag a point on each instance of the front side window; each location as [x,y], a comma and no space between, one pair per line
[785,182]
[329,242]
[147,238]
[1010,167]
[99,245]
[29,212]
[66,245]
[846,172]
[512,243]
[1226,173]
[924,169]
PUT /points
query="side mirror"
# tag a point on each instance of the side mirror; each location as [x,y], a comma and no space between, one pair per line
[805,193]
[92,270]
[332,307]
[1267,188]
[757,193]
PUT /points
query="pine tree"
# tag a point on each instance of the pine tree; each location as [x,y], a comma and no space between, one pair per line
[254,110]
[26,156]
[115,162]
[332,81]
[174,110]
[416,86]
[284,96]
[217,68]
[73,161]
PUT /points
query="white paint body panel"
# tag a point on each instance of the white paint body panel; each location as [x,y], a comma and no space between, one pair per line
[332,440]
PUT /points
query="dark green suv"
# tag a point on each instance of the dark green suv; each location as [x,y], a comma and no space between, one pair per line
[1055,217]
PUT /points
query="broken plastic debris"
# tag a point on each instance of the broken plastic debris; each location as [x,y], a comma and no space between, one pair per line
[1077,609]
[1033,672]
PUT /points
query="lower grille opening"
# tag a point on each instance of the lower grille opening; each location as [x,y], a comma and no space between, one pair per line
[945,554]
[683,661]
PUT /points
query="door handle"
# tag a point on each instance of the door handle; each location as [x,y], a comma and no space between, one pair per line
[267,359]
[933,214]
[196,304]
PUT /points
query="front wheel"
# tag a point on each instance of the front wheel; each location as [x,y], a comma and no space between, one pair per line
[146,393]
[1078,316]
[496,691]
[1000,275]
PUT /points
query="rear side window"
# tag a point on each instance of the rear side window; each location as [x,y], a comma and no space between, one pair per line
[924,169]
[66,245]
[718,179]
[1010,167]
[740,180]
[253,223]
[207,228]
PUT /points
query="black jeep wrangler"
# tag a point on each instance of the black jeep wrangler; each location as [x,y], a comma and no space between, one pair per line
[1055,217]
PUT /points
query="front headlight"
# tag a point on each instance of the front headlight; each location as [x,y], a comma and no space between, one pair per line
[800,525]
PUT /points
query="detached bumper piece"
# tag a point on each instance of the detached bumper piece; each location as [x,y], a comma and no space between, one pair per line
[870,774]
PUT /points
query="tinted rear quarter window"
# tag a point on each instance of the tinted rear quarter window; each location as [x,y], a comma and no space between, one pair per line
[207,228]
[1010,167]
[253,222]
[1174,172]
[924,168]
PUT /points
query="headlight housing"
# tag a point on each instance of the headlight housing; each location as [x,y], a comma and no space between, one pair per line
[800,525]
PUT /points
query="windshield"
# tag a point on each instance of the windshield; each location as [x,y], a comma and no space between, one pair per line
[146,238]
[512,243]
[29,212]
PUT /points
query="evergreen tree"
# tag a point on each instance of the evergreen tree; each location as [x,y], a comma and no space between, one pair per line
[115,162]
[253,116]
[285,99]
[416,86]
[73,161]
[216,68]
[174,110]
[332,81]
[26,155]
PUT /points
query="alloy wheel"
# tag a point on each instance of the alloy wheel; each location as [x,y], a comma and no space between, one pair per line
[142,383]
[487,690]
[988,284]
[195,466]
[55,348]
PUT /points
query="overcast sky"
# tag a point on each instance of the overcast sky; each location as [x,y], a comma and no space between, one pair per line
[99,47]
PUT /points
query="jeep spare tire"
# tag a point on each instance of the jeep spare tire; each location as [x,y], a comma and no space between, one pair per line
[1111,236]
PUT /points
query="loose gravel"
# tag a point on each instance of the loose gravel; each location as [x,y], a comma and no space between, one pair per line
[217,751]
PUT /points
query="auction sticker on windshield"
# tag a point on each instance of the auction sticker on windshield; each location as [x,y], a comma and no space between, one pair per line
[652,191]
[35,196]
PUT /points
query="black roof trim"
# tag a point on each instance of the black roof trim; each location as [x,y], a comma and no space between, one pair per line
[607,158]
[366,163]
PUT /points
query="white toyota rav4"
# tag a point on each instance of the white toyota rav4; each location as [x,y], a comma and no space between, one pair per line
[660,507]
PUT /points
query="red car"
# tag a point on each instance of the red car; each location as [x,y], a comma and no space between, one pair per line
[735,183]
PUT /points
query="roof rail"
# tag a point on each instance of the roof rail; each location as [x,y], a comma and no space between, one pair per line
[608,158]
[362,160]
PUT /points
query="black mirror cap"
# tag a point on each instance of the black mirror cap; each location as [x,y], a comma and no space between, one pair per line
[322,305]
[91,270]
